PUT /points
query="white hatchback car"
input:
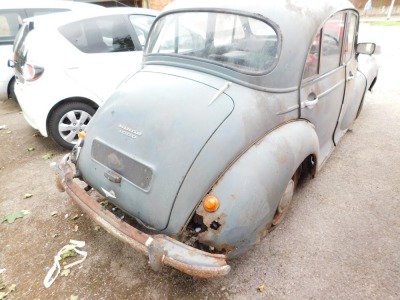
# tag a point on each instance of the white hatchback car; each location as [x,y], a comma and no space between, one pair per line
[65,71]
[12,14]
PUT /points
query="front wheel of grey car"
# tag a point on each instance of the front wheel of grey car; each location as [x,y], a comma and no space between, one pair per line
[67,120]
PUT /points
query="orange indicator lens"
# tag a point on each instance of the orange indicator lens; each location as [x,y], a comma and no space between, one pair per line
[81,135]
[210,203]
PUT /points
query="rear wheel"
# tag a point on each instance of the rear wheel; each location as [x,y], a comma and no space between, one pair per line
[286,198]
[11,92]
[67,120]
[284,203]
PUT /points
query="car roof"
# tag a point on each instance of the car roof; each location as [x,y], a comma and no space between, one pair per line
[297,21]
[71,16]
[28,4]
[265,7]
[305,14]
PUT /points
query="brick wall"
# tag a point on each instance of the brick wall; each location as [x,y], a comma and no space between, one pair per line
[156,4]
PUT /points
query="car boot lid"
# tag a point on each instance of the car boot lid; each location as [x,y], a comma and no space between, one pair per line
[138,150]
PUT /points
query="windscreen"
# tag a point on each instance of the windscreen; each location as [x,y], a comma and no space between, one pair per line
[235,41]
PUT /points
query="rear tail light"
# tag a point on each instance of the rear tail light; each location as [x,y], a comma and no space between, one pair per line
[32,72]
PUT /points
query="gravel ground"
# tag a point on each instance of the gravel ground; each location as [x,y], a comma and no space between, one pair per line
[340,240]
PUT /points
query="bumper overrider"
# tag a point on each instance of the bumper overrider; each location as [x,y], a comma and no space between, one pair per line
[161,249]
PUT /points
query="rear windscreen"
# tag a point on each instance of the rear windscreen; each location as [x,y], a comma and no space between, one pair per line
[234,41]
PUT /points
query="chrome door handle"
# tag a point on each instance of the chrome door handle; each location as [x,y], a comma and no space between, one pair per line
[310,103]
[350,76]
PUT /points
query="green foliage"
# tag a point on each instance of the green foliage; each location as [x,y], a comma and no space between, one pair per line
[70,253]
[15,215]
[48,156]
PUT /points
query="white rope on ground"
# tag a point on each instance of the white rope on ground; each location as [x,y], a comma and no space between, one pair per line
[49,279]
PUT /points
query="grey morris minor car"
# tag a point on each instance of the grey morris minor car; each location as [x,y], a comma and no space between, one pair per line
[199,153]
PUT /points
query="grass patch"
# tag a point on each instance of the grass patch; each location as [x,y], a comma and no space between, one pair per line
[385,23]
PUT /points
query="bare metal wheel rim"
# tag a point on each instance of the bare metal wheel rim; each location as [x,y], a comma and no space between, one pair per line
[284,203]
[72,123]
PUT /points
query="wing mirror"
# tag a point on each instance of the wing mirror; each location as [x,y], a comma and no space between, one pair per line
[366,48]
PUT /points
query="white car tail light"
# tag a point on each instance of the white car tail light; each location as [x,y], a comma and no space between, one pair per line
[32,72]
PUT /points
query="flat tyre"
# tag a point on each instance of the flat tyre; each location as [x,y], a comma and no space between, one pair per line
[284,203]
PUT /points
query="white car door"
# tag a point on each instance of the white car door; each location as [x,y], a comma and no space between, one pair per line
[108,52]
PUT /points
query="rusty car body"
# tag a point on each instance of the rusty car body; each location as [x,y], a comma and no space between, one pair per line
[203,147]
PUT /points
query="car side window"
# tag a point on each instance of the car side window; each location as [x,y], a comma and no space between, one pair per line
[331,44]
[351,33]
[115,33]
[312,62]
[141,25]
[325,50]
[10,22]
[99,35]
[34,12]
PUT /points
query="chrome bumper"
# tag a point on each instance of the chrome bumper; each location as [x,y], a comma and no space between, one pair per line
[161,249]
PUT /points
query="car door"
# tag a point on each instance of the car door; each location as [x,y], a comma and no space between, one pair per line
[108,52]
[355,81]
[323,84]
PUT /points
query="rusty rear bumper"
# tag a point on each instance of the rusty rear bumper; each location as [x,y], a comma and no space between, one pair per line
[160,249]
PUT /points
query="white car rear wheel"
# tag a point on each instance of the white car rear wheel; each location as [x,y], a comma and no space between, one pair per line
[67,121]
